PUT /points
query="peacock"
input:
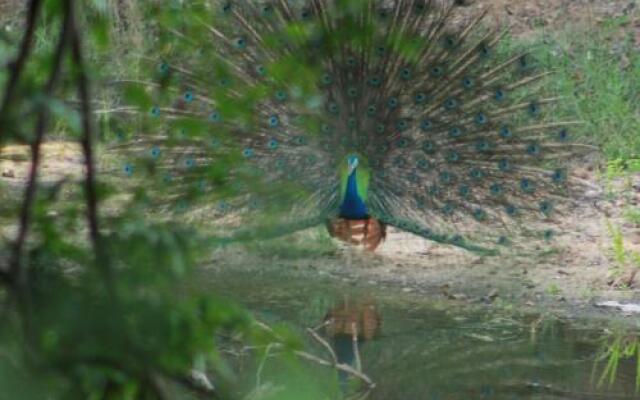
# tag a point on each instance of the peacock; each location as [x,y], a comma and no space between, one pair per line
[261,118]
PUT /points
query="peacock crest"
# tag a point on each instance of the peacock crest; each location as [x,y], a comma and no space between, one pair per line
[267,117]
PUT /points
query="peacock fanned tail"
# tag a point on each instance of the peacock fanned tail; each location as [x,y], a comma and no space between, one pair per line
[252,110]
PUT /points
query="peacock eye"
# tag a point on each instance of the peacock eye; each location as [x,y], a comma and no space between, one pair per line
[505,132]
[481,118]
[155,111]
[500,95]
[247,153]
[274,121]
[155,152]
[188,96]
[455,132]
[467,83]
[128,169]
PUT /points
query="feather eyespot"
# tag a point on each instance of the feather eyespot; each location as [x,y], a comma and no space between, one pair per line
[240,43]
[546,207]
[451,104]
[533,149]
[504,165]
[453,156]
[402,142]
[155,111]
[128,169]
[455,132]
[505,132]
[468,82]
[163,68]
[281,95]
[267,10]
[405,73]
[420,98]
[402,125]
[188,96]
[247,153]
[534,109]
[476,174]
[563,135]
[479,214]
[448,209]
[559,176]
[426,124]
[496,189]
[499,95]
[371,110]
[464,191]
[526,185]
[428,147]
[215,117]
[392,102]
[352,92]
[446,177]
[481,118]
[155,152]
[375,81]
[274,121]
[423,164]
[511,210]
[273,144]
[437,71]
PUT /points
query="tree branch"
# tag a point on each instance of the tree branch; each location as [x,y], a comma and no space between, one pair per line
[15,274]
[16,67]
[87,149]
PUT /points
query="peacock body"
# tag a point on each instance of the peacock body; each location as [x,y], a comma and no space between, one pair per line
[269,117]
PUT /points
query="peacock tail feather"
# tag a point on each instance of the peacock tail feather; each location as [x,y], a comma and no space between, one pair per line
[250,115]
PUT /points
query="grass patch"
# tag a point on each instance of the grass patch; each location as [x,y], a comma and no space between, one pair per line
[597,75]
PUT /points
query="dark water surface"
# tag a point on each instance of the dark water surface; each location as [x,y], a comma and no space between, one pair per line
[430,349]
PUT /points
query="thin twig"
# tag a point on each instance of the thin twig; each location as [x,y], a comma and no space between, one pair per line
[267,351]
[323,343]
[356,350]
[17,67]
[310,357]
[16,274]
[342,367]
[87,149]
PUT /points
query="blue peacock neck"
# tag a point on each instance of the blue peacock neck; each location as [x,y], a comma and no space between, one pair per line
[353,206]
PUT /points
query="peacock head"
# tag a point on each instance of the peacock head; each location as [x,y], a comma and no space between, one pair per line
[352,163]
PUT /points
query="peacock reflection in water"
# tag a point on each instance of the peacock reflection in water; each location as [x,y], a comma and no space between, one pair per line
[349,324]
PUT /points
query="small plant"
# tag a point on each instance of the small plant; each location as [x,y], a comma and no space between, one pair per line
[615,349]
[553,289]
[626,262]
